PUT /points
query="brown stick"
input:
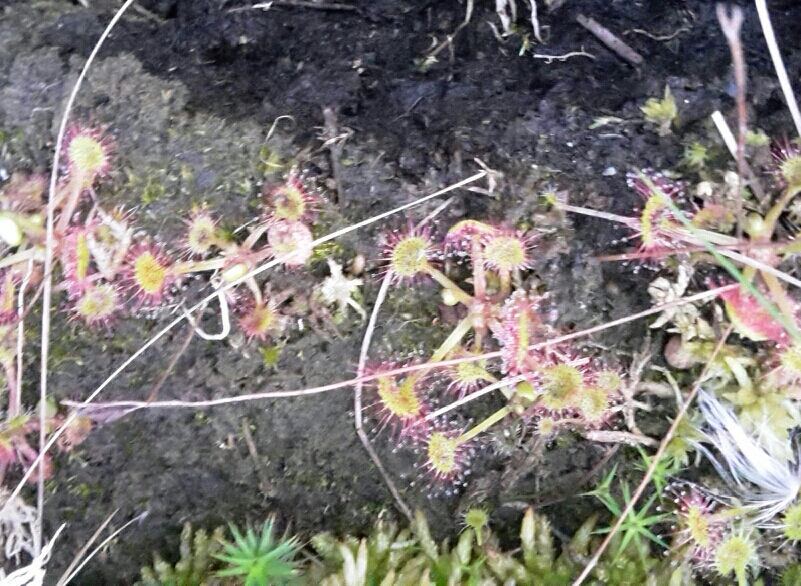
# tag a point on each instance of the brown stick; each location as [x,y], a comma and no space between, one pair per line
[612,42]
[731,23]
[334,144]
[174,360]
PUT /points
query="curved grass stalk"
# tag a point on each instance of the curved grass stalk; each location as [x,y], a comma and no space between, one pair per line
[47,294]
[67,578]
[476,395]
[357,398]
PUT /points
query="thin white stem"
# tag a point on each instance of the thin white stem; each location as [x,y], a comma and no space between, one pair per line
[473,396]
[136,405]
[224,318]
[598,214]
[357,398]
[635,497]
[47,294]
[778,63]
[104,543]
[436,212]
[365,349]
[760,266]
[725,132]
[17,407]
[535,23]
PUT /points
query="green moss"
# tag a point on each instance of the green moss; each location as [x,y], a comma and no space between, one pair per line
[195,566]
[86,491]
[661,113]
[271,354]
[270,162]
[152,191]
[696,155]
[410,556]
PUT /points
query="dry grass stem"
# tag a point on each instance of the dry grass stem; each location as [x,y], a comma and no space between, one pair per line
[778,63]
[731,23]
[654,462]
[47,292]
[357,399]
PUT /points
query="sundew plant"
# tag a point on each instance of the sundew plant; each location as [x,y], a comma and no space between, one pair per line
[721,239]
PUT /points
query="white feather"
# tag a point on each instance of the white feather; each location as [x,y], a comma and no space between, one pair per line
[766,484]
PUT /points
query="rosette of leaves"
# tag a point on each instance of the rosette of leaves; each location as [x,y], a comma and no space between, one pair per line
[260,559]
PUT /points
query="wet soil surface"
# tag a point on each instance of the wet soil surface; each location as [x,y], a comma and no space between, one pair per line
[190,89]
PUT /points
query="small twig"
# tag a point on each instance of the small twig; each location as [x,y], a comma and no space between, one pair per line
[666,390]
[554,5]
[628,389]
[264,6]
[654,462]
[725,133]
[660,38]
[731,25]
[439,209]
[535,23]
[147,13]
[333,6]
[82,552]
[409,109]
[447,43]
[274,125]
[515,469]
[174,361]
[493,178]
[564,57]
[316,5]
[620,437]
[581,481]
[655,254]
[612,42]
[333,141]
[265,485]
